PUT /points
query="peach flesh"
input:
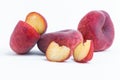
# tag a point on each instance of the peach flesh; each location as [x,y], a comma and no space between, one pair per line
[37,21]
[84,52]
[57,53]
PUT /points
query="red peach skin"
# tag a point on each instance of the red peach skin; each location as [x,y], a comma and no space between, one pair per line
[97,26]
[69,38]
[23,38]
[90,54]
[84,52]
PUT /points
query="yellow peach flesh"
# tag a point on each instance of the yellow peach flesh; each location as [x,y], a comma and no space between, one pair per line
[82,50]
[36,21]
[57,53]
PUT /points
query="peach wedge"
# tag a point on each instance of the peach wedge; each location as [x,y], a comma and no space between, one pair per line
[84,52]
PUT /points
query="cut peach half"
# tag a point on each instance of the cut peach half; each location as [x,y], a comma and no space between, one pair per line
[57,53]
[37,21]
[84,52]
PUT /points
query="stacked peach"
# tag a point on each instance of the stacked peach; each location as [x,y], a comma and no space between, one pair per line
[27,33]
[95,33]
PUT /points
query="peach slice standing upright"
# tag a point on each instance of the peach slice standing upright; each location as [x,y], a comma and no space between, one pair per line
[26,34]
[84,51]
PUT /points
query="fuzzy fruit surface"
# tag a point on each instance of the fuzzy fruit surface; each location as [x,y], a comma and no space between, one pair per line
[23,38]
[69,38]
[97,26]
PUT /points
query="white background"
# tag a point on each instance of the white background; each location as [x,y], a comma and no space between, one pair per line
[60,14]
